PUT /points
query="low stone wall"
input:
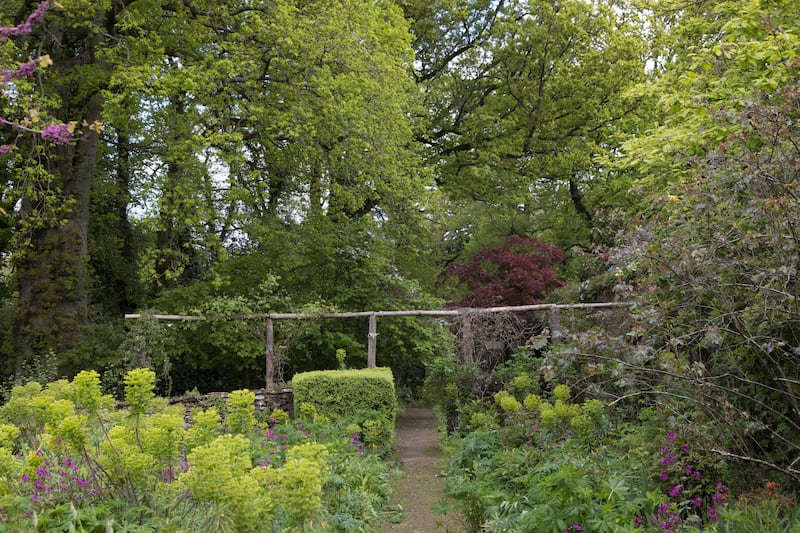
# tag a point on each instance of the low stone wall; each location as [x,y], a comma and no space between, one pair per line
[265,400]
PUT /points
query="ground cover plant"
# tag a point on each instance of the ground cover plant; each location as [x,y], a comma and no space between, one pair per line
[70,461]
[525,459]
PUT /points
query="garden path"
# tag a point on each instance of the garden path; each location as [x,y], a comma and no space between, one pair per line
[421,489]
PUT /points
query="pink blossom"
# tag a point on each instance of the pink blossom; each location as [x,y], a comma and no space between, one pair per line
[24,28]
[24,70]
[58,133]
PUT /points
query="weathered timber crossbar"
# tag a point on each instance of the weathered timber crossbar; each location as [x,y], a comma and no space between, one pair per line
[372,337]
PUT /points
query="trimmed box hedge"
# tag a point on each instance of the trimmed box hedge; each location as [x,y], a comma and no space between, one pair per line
[343,393]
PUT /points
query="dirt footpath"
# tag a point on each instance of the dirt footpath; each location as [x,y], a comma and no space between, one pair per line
[422,487]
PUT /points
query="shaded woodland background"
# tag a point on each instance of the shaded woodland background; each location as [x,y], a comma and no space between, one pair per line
[314,155]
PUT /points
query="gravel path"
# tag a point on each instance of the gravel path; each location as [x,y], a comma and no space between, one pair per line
[422,487]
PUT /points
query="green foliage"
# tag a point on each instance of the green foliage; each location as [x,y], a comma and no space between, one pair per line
[280,416]
[239,411]
[302,489]
[145,346]
[205,428]
[341,355]
[716,330]
[201,352]
[507,402]
[139,386]
[766,509]
[450,387]
[338,394]
[721,55]
[554,465]
[521,139]
[88,395]
[8,434]
[307,411]
[218,474]
[91,468]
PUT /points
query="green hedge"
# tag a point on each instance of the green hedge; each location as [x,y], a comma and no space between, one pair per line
[343,393]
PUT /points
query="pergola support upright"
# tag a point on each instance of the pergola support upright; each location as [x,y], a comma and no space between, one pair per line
[270,355]
[372,341]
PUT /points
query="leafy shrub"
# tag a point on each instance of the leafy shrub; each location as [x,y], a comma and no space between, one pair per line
[80,465]
[520,272]
[552,465]
[239,411]
[340,393]
[279,416]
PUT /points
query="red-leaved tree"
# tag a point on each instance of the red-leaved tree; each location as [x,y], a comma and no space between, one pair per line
[520,272]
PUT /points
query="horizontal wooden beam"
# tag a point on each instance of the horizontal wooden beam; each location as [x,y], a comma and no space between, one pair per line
[357,314]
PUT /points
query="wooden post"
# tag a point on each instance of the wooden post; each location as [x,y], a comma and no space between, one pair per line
[270,341]
[467,342]
[555,324]
[372,340]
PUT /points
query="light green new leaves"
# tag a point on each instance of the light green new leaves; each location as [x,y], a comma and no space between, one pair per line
[139,386]
[744,47]
[240,412]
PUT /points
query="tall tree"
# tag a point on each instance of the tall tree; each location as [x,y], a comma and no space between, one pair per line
[51,183]
[524,120]
[715,55]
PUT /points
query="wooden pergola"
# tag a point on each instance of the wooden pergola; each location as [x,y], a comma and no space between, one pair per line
[372,336]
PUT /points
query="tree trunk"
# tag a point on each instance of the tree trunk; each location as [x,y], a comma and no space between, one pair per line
[51,266]
[52,272]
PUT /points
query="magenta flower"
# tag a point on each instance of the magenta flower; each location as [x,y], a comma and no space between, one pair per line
[26,27]
[23,71]
[671,436]
[674,491]
[58,133]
